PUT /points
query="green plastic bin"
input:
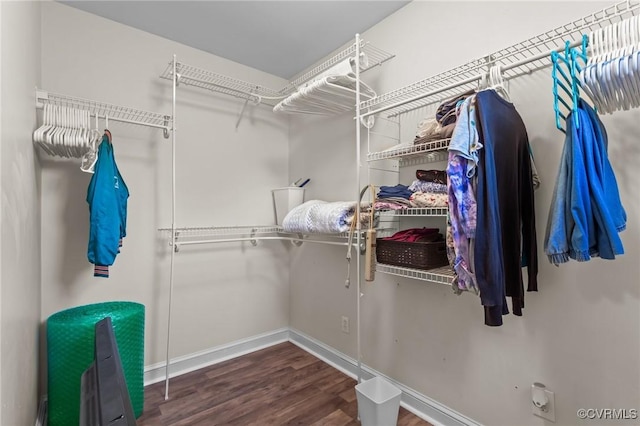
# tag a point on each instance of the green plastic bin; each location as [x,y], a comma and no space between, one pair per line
[70,350]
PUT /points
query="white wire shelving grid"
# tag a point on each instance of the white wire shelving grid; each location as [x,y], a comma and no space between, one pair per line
[519,59]
[222,234]
[416,211]
[202,78]
[443,275]
[412,155]
[209,80]
[106,110]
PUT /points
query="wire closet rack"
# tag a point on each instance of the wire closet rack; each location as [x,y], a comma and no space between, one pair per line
[185,236]
[107,111]
[205,79]
[519,59]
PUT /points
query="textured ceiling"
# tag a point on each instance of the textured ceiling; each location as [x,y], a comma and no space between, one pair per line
[278,37]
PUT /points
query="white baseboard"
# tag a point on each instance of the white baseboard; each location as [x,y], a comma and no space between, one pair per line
[185,364]
[421,405]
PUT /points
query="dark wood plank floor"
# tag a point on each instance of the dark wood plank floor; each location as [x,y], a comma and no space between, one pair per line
[280,385]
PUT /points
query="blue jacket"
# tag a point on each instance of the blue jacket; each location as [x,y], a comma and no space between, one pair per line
[107,195]
[586,213]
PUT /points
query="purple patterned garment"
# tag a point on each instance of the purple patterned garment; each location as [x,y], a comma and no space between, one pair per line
[462,217]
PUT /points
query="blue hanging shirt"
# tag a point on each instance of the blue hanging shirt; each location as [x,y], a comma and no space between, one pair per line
[107,197]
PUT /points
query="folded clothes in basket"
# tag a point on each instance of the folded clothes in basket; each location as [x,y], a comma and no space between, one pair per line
[412,235]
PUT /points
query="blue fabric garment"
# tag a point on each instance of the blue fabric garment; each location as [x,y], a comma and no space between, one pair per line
[399,190]
[465,140]
[586,213]
[489,266]
[123,196]
[106,197]
[610,216]
[559,221]
[506,209]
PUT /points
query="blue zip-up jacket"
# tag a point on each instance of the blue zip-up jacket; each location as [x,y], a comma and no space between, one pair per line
[123,195]
[107,219]
[586,213]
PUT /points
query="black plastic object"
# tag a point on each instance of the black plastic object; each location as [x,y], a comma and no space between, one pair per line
[104,397]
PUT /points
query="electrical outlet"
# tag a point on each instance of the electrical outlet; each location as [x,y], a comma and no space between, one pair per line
[345,324]
[543,402]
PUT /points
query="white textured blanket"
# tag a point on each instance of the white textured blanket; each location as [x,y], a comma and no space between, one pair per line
[316,216]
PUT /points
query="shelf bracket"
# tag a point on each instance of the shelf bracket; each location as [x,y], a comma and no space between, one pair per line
[298,243]
[244,106]
[166,132]
[368,122]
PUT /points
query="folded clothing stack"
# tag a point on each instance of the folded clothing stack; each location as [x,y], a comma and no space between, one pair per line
[442,126]
[428,190]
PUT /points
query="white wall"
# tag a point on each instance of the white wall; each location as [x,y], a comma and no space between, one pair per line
[223,292]
[580,334]
[20,218]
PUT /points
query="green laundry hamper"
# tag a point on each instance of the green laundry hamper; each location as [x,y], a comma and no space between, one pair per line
[70,350]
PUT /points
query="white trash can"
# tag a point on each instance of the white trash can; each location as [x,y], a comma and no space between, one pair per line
[285,199]
[378,402]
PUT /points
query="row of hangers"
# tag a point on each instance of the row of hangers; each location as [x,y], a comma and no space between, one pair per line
[66,132]
[609,76]
[494,80]
[331,92]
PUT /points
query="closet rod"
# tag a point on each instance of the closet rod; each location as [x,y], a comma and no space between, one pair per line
[468,80]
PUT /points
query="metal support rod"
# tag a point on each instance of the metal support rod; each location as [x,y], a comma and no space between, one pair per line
[173,224]
[358,223]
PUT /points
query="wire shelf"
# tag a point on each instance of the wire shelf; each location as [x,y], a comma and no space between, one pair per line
[410,150]
[416,211]
[519,59]
[256,93]
[223,231]
[374,57]
[442,275]
[103,109]
[212,234]
[209,80]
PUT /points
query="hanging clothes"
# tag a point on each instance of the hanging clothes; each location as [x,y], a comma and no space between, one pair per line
[461,223]
[586,213]
[505,208]
[107,198]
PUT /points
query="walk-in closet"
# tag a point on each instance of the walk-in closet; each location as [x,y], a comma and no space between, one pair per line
[319,213]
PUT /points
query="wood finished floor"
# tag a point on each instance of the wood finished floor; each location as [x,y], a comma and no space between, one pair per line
[280,385]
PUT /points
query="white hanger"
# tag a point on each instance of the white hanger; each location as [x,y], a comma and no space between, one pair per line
[90,157]
[497,83]
[39,133]
[612,75]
